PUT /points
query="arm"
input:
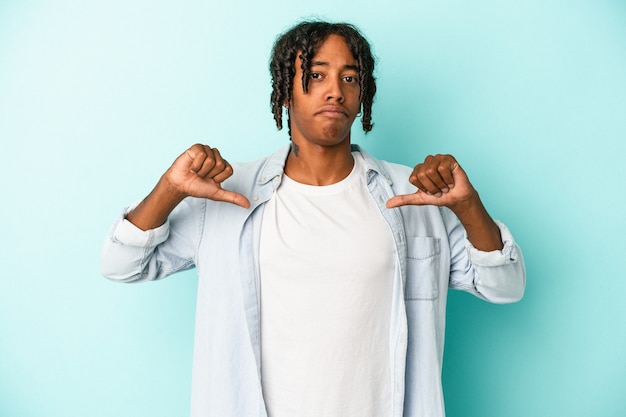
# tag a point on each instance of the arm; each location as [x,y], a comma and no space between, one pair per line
[140,246]
[198,172]
[442,182]
[497,276]
[484,258]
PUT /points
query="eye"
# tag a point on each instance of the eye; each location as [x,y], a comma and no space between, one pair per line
[350,79]
[315,75]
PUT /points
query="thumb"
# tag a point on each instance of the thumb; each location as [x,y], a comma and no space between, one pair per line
[416,199]
[231,197]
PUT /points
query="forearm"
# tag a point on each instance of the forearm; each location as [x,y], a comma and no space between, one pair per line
[481,230]
[153,211]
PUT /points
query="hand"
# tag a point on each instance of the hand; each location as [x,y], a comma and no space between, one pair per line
[441,182]
[199,172]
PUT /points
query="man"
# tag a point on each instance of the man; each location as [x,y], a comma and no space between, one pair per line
[323,272]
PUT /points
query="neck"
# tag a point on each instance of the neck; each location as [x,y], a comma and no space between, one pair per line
[319,165]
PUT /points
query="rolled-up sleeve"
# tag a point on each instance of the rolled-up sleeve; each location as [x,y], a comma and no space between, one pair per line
[500,276]
[130,254]
[497,276]
[126,233]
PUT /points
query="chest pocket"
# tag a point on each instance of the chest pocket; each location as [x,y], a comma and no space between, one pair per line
[423,263]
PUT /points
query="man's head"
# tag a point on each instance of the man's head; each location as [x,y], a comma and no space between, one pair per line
[299,45]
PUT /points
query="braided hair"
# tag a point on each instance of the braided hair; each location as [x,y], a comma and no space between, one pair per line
[306,38]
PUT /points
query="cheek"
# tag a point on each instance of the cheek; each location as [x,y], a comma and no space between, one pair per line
[298,119]
[300,108]
[354,98]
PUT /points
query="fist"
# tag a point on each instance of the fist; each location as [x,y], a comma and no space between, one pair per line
[199,172]
[440,181]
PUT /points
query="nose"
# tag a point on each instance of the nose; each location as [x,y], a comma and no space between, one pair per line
[335,90]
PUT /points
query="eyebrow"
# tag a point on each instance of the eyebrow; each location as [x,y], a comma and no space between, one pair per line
[326,64]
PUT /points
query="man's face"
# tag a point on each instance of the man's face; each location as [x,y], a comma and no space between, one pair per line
[323,116]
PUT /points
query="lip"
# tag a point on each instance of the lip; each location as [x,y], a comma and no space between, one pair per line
[333,112]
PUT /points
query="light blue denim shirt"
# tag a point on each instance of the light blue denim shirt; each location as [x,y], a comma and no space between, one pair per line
[222,241]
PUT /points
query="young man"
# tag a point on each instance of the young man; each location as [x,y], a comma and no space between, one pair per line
[323,272]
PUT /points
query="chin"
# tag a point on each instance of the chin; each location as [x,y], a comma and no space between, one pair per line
[333,134]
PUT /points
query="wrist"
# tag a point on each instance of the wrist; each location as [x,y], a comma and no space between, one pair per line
[168,190]
[481,230]
[467,207]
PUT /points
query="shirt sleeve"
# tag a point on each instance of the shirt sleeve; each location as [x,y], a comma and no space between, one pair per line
[130,254]
[496,276]
[126,233]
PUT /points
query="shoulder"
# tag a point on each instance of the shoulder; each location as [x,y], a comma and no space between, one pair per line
[386,168]
[249,175]
[396,175]
[395,169]
[274,162]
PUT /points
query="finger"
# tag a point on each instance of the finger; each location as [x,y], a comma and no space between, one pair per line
[413,178]
[434,175]
[445,168]
[219,165]
[446,171]
[226,172]
[208,163]
[231,197]
[428,182]
[197,156]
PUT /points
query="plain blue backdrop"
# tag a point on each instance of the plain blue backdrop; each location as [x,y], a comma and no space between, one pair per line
[98,98]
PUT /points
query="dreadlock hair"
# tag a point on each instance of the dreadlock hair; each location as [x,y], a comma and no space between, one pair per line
[306,38]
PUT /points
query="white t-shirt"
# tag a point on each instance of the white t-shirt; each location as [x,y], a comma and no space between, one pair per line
[327,261]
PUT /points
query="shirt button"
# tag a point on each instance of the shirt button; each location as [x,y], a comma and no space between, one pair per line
[255,198]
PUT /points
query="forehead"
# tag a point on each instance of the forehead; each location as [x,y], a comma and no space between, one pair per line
[333,49]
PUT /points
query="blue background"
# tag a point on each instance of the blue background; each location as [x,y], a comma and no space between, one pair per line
[98,98]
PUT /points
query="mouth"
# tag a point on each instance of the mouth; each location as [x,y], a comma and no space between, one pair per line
[334,112]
